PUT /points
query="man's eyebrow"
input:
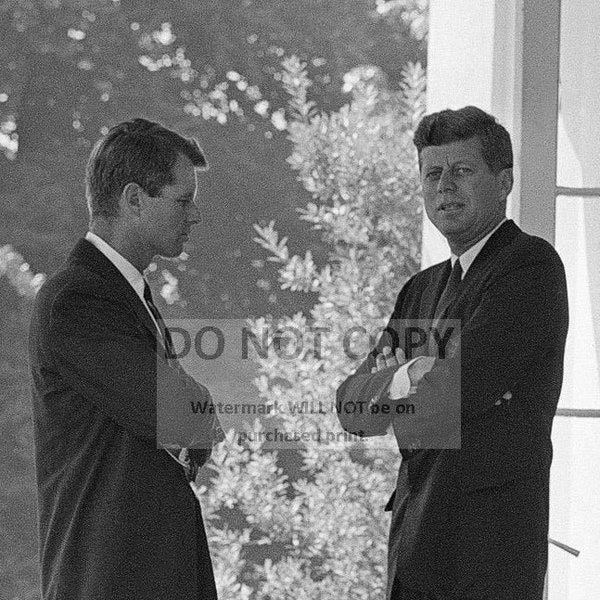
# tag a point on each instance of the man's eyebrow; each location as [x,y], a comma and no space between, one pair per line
[467,158]
[445,162]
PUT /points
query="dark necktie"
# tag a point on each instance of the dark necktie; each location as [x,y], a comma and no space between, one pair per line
[446,299]
[190,458]
[184,456]
[450,291]
[164,330]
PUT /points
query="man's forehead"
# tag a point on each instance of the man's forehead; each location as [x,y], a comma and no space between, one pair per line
[469,149]
[185,172]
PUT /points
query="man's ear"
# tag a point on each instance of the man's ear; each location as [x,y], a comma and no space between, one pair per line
[131,198]
[506,180]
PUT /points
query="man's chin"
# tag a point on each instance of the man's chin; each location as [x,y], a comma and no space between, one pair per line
[174,253]
[449,226]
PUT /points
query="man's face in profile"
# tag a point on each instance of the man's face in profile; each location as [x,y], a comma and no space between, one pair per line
[463,197]
[169,216]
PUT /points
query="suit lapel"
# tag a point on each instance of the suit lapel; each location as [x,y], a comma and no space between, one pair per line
[86,254]
[505,234]
[472,281]
[434,289]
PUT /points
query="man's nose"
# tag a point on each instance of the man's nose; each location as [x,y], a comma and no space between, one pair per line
[446,181]
[193,214]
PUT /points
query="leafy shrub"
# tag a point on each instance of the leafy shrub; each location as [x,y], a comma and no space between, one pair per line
[309,523]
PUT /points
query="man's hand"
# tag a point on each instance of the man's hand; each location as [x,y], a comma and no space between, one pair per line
[387,359]
[419,368]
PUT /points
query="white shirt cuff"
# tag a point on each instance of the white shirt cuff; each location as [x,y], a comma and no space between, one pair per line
[400,386]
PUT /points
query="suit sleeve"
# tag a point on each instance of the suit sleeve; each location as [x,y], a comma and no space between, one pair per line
[362,403]
[105,356]
[522,313]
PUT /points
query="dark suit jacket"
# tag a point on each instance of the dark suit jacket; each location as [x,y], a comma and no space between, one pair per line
[117,517]
[472,523]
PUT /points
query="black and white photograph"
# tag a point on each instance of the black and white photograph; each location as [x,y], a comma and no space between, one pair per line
[300,300]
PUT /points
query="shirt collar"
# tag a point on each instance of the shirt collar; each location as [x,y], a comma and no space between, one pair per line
[131,274]
[468,256]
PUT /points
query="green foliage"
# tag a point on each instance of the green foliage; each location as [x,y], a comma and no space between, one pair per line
[309,523]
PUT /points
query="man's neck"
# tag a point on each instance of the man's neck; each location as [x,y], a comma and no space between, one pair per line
[459,249]
[123,242]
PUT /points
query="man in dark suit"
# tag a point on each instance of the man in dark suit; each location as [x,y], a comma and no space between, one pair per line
[118,519]
[470,523]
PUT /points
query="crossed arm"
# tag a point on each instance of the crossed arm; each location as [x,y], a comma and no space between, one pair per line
[415,370]
[522,313]
[101,351]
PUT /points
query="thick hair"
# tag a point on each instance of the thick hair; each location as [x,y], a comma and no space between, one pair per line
[137,151]
[449,126]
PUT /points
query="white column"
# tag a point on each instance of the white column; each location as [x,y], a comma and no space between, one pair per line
[536,116]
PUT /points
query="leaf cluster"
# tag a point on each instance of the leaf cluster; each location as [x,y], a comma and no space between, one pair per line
[308,523]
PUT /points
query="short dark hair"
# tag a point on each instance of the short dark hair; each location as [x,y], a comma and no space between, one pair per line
[447,126]
[137,151]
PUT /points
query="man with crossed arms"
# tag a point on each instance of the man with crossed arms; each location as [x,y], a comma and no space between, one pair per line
[118,519]
[470,523]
